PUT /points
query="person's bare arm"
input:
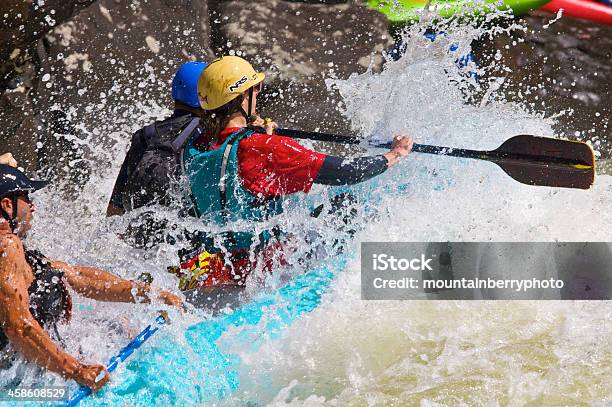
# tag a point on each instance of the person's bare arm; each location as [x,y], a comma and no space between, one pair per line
[8,159]
[23,331]
[101,285]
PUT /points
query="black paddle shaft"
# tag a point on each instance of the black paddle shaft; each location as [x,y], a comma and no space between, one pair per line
[501,154]
[313,135]
[497,156]
[339,138]
[528,159]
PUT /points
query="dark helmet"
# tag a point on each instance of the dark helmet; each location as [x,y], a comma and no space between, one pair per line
[13,182]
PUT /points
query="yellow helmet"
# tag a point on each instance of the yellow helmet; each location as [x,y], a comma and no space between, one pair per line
[224,79]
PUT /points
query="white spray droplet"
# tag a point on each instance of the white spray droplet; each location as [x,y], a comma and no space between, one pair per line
[153,44]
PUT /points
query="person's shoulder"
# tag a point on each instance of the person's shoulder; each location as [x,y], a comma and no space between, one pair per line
[256,140]
[11,247]
[9,241]
[272,140]
[169,125]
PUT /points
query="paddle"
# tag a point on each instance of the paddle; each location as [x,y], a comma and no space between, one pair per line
[528,159]
[123,354]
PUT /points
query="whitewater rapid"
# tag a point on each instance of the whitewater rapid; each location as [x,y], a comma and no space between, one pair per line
[446,353]
[411,353]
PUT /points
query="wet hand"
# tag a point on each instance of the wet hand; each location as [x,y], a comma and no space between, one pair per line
[8,159]
[401,147]
[270,126]
[170,299]
[258,122]
[92,376]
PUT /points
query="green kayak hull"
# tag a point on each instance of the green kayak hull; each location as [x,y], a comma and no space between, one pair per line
[404,11]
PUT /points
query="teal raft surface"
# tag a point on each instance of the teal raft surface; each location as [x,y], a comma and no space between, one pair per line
[200,369]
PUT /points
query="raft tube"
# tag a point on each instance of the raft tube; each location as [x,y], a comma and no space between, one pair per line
[405,11]
[584,9]
[204,367]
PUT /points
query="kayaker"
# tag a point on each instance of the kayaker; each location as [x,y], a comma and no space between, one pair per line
[140,185]
[241,173]
[34,296]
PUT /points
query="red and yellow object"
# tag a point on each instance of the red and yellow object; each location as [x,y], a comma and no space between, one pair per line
[198,270]
[212,270]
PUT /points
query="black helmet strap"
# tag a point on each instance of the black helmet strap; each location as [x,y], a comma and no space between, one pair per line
[250,112]
[248,115]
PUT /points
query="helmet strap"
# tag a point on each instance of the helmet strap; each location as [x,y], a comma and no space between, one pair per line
[250,111]
[248,115]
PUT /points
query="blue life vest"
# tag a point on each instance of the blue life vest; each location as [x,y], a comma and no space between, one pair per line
[218,193]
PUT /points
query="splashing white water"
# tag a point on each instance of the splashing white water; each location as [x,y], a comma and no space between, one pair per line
[351,352]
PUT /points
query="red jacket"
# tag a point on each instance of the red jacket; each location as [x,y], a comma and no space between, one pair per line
[273,165]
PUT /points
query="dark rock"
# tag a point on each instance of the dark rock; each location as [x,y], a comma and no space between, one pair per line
[299,45]
[18,127]
[567,67]
[23,23]
[114,60]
